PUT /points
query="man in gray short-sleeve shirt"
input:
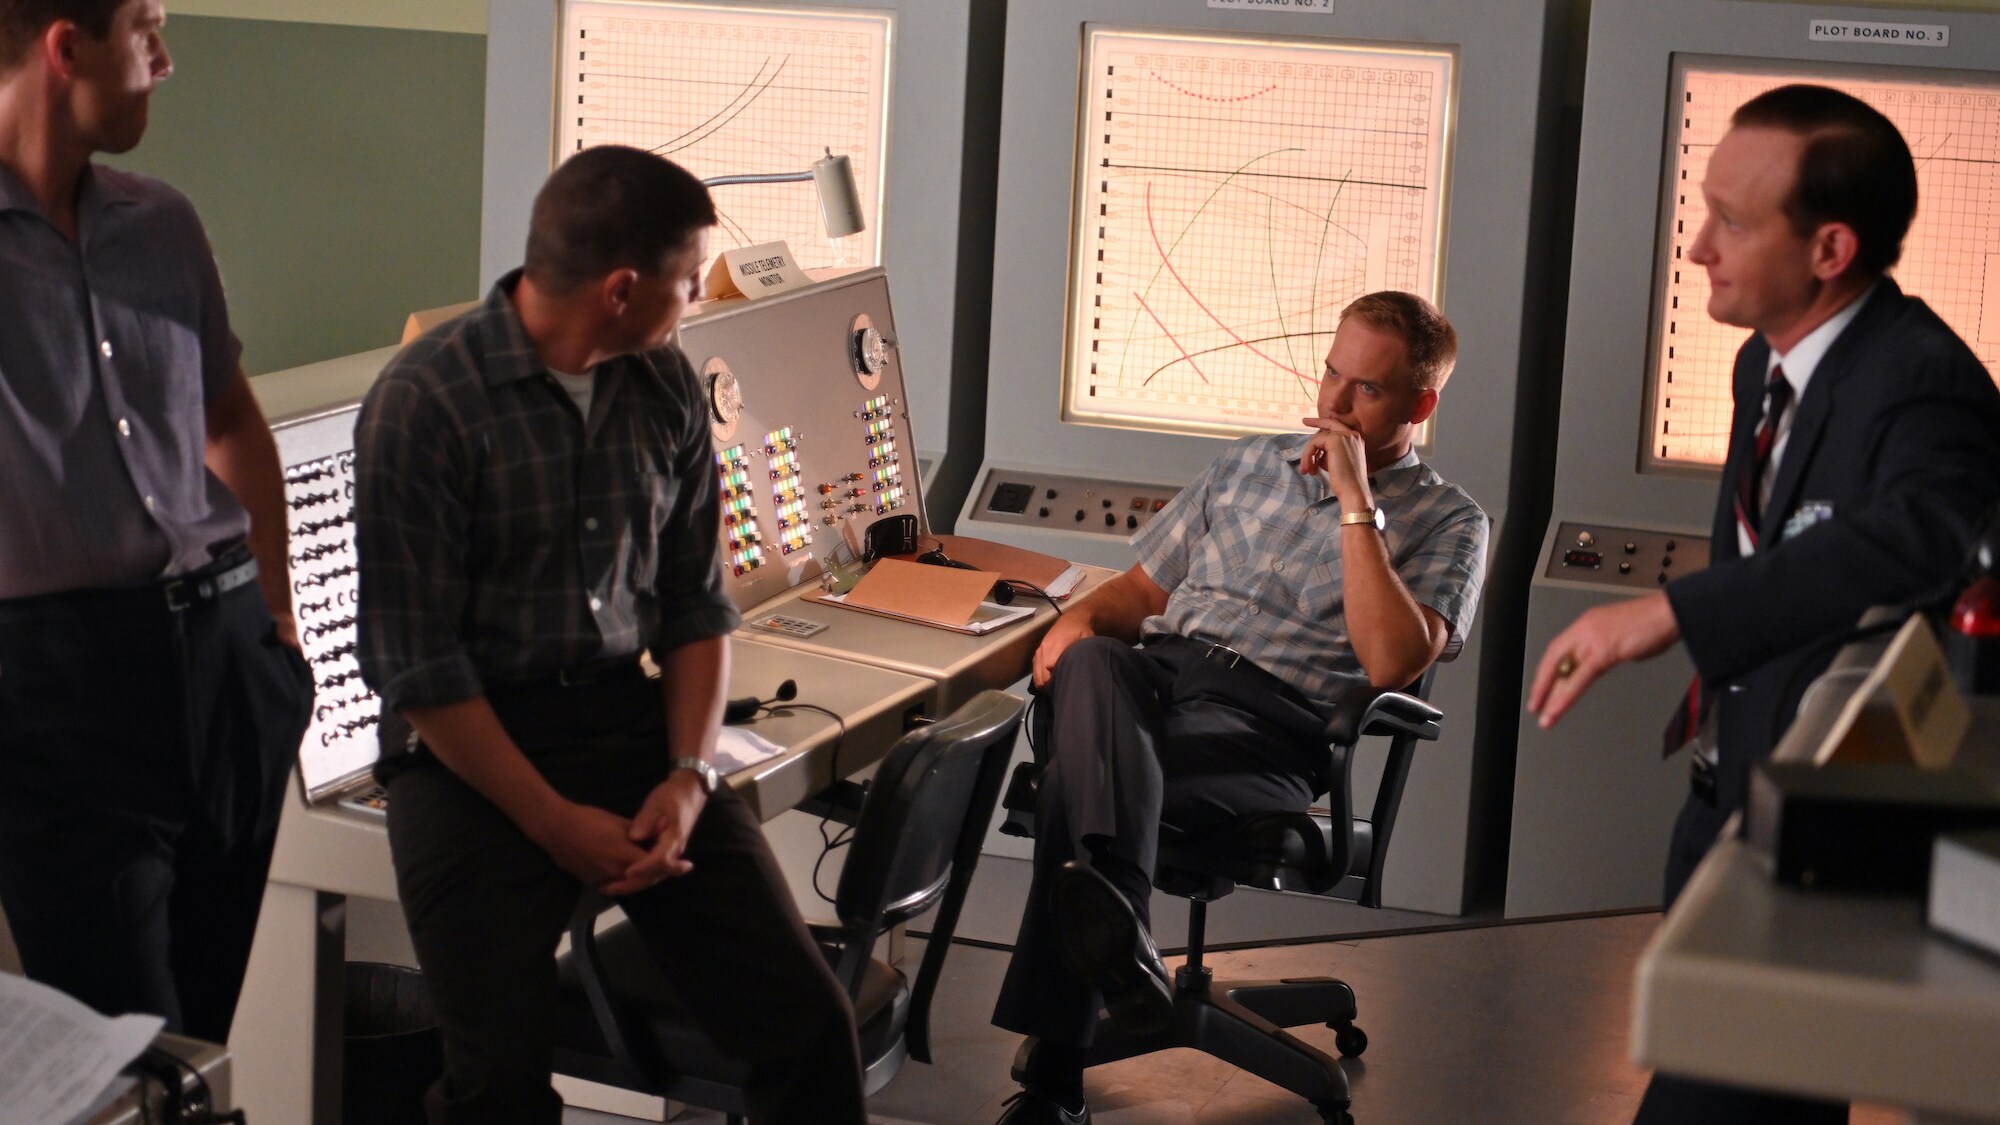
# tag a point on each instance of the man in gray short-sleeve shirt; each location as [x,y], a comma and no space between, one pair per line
[151,689]
[1293,565]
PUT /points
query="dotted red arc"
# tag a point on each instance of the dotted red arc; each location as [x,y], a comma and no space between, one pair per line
[1178,88]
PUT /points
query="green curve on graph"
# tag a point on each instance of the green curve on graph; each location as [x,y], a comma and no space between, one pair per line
[1271,256]
[1192,219]
[1325,225]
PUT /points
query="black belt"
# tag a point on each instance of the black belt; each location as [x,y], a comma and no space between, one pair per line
[234,567]
[1235,661]
[231,569]
[1701,779]
[583,675]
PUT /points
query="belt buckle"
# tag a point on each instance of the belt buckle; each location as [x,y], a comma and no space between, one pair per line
[1701,779]
[1219,652]
[180,595]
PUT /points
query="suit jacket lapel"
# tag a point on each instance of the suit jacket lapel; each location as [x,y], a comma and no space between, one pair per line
[1809,420]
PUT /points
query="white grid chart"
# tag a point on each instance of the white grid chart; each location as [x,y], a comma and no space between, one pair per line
[735,91]
[1233,195]
[1951,257]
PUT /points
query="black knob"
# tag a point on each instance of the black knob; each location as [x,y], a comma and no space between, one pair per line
[1663,578]
[1668,561]
[1045,513]
[1624,568]
[1110,520]
[1631,548]
[1051,494]
[1132,522]
[1670,544]
[1079,515]
[1107,503]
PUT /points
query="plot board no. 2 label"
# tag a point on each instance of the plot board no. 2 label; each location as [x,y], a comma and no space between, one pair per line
[1233,195]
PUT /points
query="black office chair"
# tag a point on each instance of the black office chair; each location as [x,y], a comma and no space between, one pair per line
[916,842]
[1329,852]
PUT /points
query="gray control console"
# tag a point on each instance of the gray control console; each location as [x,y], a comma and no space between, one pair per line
[1023,498]
[1634,558]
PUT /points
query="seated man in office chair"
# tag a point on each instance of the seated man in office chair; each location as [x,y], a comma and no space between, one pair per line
[1292,563]
[536,503]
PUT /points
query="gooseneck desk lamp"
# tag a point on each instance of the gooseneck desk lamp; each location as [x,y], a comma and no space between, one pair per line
[833,176]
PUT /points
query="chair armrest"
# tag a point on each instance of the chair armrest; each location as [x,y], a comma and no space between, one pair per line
[618,1033]
[1363,709]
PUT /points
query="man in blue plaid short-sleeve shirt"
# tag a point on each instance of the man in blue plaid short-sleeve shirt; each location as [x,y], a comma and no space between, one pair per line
[1293,565]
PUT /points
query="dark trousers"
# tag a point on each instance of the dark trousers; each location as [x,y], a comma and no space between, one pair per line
[143,757]
[1138,741]
[1671,1100]
[486,905]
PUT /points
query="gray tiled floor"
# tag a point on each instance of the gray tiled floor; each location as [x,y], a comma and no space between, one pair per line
[1498,1024]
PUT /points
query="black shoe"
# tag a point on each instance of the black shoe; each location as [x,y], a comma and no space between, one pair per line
[1101,940]
[1030,1108]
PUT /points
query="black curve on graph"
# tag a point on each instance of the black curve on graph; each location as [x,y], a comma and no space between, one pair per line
[668,145]
[747,103]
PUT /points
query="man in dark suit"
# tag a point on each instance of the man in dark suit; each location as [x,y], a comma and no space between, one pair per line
[1861,461]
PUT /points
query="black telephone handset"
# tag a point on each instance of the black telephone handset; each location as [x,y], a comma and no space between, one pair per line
[1003,590]
[891,535]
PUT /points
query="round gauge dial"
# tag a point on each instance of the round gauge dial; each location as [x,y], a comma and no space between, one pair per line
[725,398]
[868,351]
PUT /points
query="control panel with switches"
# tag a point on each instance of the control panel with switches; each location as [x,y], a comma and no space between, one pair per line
[1626,557]
[1052,500]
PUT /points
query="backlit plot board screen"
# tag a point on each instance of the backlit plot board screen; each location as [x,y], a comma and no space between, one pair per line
[1951,257]
[1233,195]
[736,91]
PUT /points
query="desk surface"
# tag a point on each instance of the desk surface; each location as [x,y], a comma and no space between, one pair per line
[961,665]
[333,849]
[1818,992]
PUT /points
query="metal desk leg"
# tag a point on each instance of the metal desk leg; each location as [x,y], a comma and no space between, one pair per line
[287,1036]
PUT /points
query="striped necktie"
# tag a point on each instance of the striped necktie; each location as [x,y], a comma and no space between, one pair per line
[1693,707]
[1749,485]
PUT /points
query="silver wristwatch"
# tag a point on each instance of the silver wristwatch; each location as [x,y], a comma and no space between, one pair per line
[710,780]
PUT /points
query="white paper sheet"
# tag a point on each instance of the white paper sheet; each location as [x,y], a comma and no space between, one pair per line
[57,1056]
[739,749]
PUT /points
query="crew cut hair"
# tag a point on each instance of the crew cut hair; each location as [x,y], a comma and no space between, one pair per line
[1856,168]
[23,21]
[610,208]
[1430,344]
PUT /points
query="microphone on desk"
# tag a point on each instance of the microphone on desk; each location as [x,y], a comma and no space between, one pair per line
[745,709]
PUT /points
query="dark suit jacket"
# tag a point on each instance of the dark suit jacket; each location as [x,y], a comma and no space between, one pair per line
[1899,434]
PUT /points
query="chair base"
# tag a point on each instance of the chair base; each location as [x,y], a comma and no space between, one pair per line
[1242,1023]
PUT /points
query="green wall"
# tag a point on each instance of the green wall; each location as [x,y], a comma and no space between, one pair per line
[337,169]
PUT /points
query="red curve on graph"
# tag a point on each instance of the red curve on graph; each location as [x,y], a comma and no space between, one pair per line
[1170,336]
[1169,84]
[1168,262]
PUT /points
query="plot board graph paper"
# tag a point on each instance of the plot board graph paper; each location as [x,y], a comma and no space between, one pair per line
[1951,257]
[1232,196]
[736,91]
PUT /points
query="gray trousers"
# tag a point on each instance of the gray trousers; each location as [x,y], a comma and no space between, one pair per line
[1137,742]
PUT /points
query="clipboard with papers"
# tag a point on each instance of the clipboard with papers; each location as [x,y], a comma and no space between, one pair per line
[986,618]
[941,597]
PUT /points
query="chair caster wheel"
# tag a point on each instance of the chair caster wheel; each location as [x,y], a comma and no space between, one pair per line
[1349,1040]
